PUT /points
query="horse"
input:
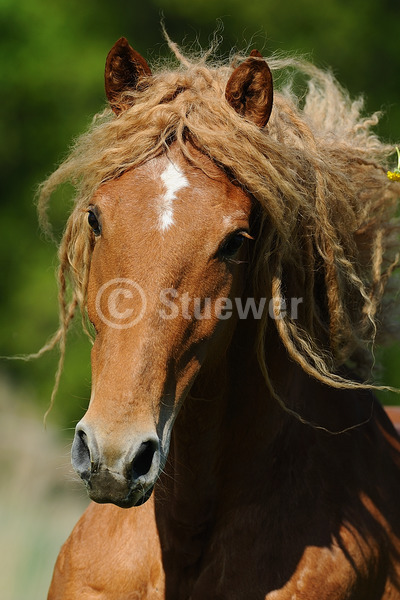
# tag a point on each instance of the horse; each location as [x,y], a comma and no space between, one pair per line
[230,245]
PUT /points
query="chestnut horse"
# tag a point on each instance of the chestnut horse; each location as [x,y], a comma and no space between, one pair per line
[229,246]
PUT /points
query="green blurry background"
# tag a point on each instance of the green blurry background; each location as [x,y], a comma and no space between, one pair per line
[52,58]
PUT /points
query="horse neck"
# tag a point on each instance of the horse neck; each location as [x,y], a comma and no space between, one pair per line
[223,432]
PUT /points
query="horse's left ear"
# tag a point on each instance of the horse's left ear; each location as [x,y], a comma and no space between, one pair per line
[124,69]
[250,90]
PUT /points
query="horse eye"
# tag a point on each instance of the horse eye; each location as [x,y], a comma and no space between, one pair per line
[232,245]
[93,223]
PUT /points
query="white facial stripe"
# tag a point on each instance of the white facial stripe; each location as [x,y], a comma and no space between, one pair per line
[174,180]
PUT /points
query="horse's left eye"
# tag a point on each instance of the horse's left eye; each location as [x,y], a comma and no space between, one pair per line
[232,245]
[94,223]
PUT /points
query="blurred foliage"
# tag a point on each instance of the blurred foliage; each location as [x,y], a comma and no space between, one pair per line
[40,499]
[52,58]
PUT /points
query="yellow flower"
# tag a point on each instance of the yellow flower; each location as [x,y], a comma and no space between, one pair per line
[394,175]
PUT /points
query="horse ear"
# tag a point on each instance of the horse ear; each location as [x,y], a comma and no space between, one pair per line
[124,69]
[250,89]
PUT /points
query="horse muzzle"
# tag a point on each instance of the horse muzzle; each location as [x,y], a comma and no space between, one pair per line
[126,479]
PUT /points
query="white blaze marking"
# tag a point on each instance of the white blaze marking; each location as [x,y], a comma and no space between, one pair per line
[174,180]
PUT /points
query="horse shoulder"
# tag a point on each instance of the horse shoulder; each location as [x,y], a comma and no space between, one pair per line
[350,567]
[347,567]
[112,553]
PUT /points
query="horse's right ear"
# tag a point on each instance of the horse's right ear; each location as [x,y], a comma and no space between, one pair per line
[124,69]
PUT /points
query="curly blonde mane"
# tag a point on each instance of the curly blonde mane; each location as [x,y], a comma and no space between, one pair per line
[326,228]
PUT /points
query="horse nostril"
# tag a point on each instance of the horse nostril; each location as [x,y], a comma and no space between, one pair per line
[143,460]
[80,453]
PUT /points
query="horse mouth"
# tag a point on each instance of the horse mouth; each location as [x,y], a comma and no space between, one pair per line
[144,497]
[123,496]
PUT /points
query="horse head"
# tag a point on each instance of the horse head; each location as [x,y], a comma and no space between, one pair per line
[170,244]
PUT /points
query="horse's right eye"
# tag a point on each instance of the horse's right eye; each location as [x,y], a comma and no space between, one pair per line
[94,223]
